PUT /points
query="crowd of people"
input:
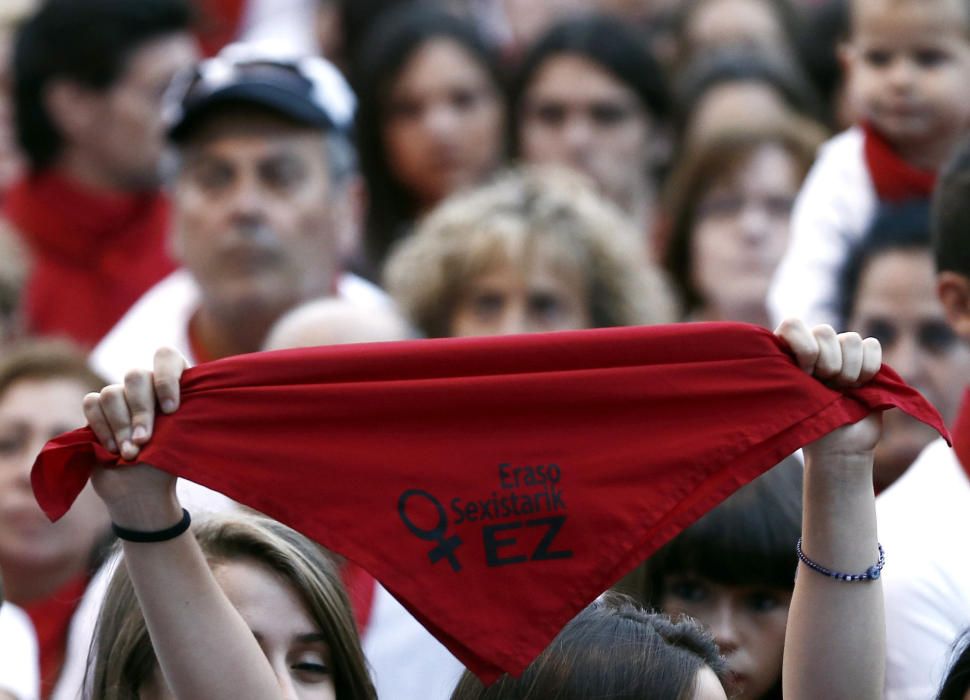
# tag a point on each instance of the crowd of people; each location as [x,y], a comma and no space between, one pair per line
[183,181]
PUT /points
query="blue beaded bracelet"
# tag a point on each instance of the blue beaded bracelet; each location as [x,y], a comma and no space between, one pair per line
[870,574]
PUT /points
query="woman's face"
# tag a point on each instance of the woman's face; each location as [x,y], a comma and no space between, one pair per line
[32,411]
[896,302]
[576,114]
[443,122]
[740,233]
[292,642]
[748,623]
[533,296]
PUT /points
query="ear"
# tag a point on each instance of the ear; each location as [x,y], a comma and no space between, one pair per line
[954,292]
[350,219]
[72,108]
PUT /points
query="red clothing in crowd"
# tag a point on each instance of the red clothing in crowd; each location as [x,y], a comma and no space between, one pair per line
[219,23]
[494,485]
[894,179]
[93,254]
[51,618]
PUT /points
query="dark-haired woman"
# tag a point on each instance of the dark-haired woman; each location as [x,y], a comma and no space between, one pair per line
[589,95]
[430,117]
[732,572]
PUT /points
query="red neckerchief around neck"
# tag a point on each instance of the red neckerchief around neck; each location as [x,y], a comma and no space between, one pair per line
[495,486]
[895,180]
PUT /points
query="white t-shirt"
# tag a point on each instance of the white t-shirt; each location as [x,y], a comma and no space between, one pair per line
[834,208]
[924,522]
[161,318]
[19,670]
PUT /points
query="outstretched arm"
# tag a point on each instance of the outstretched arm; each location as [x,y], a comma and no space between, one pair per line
[204,648]
[835,645]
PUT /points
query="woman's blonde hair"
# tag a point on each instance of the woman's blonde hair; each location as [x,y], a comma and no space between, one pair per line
[121,660]
[507,220]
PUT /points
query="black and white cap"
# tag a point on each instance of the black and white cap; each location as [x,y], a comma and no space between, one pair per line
[306,89]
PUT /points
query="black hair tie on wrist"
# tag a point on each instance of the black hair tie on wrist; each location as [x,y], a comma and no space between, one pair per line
[169,533]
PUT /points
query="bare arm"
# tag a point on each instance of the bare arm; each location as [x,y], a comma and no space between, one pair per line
[204,648]
[835,645]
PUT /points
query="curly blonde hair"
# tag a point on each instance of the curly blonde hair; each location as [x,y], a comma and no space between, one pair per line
[507,221]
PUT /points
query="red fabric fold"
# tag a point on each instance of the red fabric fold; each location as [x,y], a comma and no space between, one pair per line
[895,179]
[94,253]
[494,485]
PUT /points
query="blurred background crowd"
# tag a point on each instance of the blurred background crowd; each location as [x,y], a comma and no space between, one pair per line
[226,176]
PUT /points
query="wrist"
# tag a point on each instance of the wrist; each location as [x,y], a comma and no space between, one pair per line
[840,466]
[146,514]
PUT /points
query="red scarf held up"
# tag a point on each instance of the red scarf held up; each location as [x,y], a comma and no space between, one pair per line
[94,254]
[494,485]
[895,180]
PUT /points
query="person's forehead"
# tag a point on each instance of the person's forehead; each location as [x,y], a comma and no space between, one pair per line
[252,122]
[577,76]
[256,128]
[949,10]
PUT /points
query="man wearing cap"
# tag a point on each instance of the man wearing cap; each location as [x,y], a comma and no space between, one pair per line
[261,205]
[261,212]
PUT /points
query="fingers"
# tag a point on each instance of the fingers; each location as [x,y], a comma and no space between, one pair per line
[140,397]
[871,359]
[119,419]
[169,365]
[801,341]
[828,366]
[98,422]
[122,416]
[843,359]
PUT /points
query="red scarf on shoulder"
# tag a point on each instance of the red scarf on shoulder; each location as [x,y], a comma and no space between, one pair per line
[93,253]
[895,180]
[494,485]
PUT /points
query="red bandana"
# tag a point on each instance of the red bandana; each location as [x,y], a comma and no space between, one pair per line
[961,433]
[220,22]
[51,618]
[494,485]
[94,254]
[895,180]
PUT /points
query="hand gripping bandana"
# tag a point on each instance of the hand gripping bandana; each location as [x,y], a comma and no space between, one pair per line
[494,485]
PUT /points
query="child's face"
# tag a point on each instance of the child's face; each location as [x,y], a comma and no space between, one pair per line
[909,61]
[748,623]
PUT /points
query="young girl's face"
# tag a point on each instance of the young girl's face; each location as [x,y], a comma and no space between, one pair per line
[748,623]
[908,67]
[292,642]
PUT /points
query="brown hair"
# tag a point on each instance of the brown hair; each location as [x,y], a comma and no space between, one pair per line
[712,161]
[612,649]
[951,214]
[121,660]
[521,211]
[39,360]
